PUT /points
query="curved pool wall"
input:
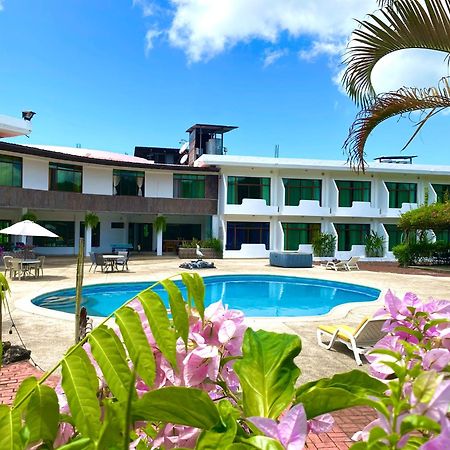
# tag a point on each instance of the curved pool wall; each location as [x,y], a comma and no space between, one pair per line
[255,295]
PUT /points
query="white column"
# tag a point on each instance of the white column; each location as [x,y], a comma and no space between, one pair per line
[87,239]
[215,226]
[159,242]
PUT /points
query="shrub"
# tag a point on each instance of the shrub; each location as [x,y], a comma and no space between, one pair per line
[374,245]
[324,244]
[215,244]
[422,252]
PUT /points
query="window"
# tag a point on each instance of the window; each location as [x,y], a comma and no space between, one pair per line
[248,187]
[400,193]
[239,233]
[127,182]
[10,171]
[65,231]
[95,238]
[117,225]
[443,235]
[296,190]
[188,186]
[299,233]
[351,234]
[442,192]
[65,177]
[353,191]
[5,239]
[395,235]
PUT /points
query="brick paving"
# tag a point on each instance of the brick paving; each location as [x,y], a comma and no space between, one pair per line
[347,421]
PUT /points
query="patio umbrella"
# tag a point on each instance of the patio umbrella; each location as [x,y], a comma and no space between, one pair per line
[28,228]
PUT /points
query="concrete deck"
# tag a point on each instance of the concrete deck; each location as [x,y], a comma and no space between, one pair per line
[49,337]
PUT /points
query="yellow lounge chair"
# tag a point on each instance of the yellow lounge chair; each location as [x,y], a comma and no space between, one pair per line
[359,339]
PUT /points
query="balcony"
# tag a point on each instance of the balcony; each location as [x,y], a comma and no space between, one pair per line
[396,212]
[251,207]
[305,208]
[358,209]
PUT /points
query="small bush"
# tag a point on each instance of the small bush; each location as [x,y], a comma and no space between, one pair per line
[215,244]
[324,244]
[422,253]
[374,245]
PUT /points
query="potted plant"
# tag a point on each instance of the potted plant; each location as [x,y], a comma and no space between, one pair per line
[375,245]
[160,223]
[324,244]
[29,216]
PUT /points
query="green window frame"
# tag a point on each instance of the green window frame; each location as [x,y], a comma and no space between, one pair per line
[5,239]
[248,187]
[125,182]
[400,193]
[299,233]
[442,235]
[353,191]
[64,229]
[442,192]
[10,171]
[395,235]
[65,177]
[188,186]
[350,234]
[301,189]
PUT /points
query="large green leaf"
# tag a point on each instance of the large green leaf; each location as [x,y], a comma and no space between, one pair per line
[196,291]
[80,385]
[42,414]
[78,444]
[164,335]
[137,344]
[265,443]
[178,405]
[24,393]
[9,429]
[267,372]
[110,355]
[178,309]
[112,430]
[340,391]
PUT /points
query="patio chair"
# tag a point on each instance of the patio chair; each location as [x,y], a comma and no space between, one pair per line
[351,264]
[100,261]
[16,268]
[359,340]
[123,260]
[7,260]
[39,268]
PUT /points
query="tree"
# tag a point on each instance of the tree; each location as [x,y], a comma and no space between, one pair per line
[398,25]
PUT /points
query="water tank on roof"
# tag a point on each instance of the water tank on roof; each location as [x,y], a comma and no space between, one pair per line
[214,147]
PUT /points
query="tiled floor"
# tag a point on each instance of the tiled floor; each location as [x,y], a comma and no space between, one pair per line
[347,421]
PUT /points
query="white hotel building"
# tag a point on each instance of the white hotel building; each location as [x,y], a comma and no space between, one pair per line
[253,204]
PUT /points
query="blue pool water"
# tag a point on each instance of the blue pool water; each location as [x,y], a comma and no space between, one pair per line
[255,295]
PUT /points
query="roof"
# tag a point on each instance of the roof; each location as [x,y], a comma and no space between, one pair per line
[315,164]
[214,128]
[100,157]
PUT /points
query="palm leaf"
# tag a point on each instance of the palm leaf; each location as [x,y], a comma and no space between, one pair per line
[401,25]
[385,106]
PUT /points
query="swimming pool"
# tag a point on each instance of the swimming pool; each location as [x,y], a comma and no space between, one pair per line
[255,295]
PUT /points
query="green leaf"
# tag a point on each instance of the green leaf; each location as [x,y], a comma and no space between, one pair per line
[164,335]
[424,386]
[178,309]
[42,414]
[340,391]
[178,405]
[417,422]
[24,393]
[9,429]
[240,446]
[110,355]
[434,322]
[78,444]
[112,431]
[267,372]
[410,331]
[196,290]
[80,385]
[265,443]
[137,344]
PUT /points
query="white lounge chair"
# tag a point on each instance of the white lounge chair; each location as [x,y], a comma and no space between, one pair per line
[360,339]
[351,264]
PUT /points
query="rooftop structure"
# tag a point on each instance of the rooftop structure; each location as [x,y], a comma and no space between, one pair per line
[11,126]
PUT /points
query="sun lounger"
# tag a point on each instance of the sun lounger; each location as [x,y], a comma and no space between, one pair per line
[351,264]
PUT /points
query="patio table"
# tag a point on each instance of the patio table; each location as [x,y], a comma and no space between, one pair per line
[28,265]
[111,261]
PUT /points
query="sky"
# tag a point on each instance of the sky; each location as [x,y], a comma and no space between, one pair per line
[115,74]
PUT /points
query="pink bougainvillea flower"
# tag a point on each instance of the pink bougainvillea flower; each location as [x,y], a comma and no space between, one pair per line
[436,359]
[291,431]
[65,432]
[175,436]
[377,366]
[321,424]
[437,407]
[201,363]
[442,441]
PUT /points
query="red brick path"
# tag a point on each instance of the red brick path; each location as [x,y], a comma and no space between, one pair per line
[347,421]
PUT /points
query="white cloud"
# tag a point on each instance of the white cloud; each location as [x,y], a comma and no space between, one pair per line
[150,36]
[320,48]
[205,28]
[148,8]
[1,5]
[271,56]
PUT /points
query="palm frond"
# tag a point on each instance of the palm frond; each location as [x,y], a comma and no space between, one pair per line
[385,106]
[401,25]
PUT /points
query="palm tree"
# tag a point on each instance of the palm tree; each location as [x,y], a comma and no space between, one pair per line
[398,25]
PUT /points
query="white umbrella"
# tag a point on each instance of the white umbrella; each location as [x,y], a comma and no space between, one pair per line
[28,228]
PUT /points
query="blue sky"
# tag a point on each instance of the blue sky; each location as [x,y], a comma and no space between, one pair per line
[115,74]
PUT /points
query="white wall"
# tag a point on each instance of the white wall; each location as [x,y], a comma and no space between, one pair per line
[97,180]
[35,174]
[159,184]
